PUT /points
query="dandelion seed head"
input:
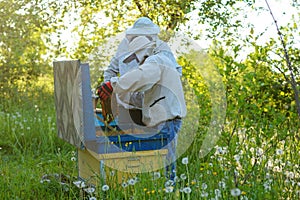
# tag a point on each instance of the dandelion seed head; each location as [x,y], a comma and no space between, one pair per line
[131,181]
[169,183]
[277,169]
[112,173]
[124,185]
[222,184]
[259,151]
[185,160]
[218,193]
[290,175]
[237,158]
[204,186]
[169,189]
[204,194]
[89,190]
[176,179]
[187,190]
[79,184]
[183,176]
[105,188]
[267,186]
[279,152]
[156,175]
[235,192]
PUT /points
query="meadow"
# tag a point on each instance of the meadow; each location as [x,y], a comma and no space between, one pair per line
[250,161]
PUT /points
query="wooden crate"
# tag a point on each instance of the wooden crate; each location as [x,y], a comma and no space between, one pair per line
[125,165]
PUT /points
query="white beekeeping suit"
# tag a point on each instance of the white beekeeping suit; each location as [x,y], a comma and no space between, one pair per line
[157,79]
[118,67]
[142,27]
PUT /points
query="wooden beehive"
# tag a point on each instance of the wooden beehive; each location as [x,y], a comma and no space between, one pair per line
[95,167]
[128,153]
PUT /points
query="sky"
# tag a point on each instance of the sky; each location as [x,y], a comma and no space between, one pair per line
[282,11]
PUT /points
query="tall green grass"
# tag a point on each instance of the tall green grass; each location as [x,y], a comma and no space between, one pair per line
[251,161]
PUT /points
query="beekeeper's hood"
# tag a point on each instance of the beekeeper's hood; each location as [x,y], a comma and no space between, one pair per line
[143,26]
[140,47]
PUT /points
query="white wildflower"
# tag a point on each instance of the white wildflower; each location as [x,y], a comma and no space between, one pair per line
[169,189]
[92,198]
[217,193]
[79,184]
[267,186]
[290,175]
[204,194]
[237,158]
[187,190]
[131,181]
[112,173]
[185,161]
[89,190]
[269,164]
[45,180]
[277,169]
[176,179]
[204,186]
[105,188]
[169,183]
[221,150]
[279,152]
[73,159]
[183,176]
[235,192]
[222,184]
[156,175]
[244,198]
[124,185]
[259,152]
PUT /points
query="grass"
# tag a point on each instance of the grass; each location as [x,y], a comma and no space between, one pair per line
[250,161]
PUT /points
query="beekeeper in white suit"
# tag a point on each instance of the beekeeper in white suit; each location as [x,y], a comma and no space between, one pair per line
[119,65]
[142,27]
[163,104]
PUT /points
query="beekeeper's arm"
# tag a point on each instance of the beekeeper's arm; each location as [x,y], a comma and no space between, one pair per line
[137,80]
[113,68]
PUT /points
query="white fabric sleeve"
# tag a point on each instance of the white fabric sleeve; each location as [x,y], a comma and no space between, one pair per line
[138,80]
[113,68]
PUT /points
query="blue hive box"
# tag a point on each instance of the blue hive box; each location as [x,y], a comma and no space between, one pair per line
[125,142]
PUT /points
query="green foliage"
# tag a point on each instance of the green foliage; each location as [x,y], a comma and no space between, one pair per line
[21,47]
[259,142]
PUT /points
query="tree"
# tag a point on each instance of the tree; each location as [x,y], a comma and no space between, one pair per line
[21,47]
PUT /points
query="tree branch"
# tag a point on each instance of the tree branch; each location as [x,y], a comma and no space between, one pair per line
[288,62]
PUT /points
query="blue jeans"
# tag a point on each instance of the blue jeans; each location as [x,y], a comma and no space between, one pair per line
[171,128]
